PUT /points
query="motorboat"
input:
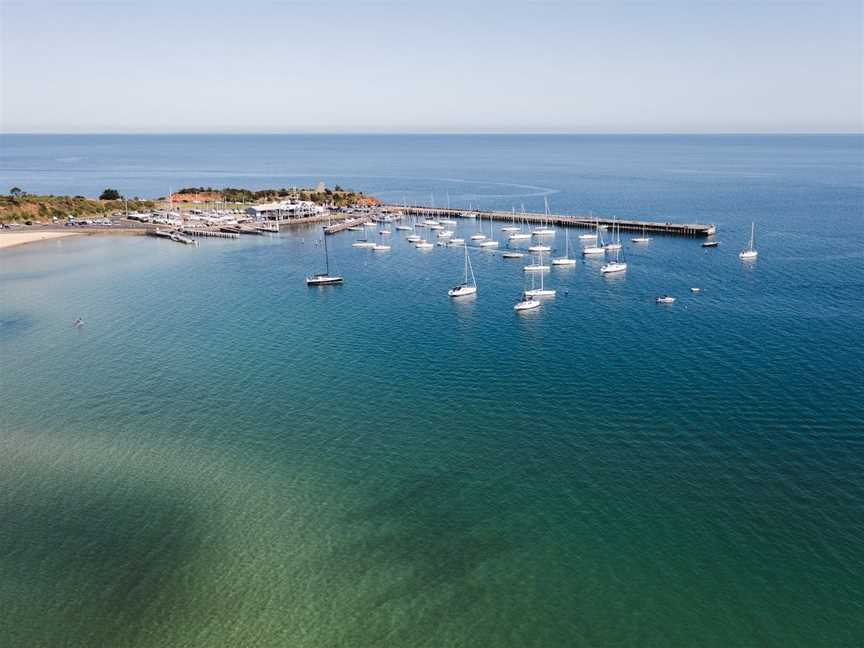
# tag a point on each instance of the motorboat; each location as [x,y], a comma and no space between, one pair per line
[665,299]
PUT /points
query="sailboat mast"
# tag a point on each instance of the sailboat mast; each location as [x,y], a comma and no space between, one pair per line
[326,255]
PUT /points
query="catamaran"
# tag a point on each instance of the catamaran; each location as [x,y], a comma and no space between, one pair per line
[750,252]
[324,278]
[565,260]
[466,287]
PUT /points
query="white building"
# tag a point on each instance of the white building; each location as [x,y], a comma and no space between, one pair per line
[285,209]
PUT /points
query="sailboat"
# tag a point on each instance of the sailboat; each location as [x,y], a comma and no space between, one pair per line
[324,278]
[479,236]
[490,242]
[615,266]
[615,244]
[541,291]
[527,302]
[465,288]
[362,242]
[565,260]
[513,227]
[381,247]
[423,244]
[544,229]
[750,252]
[597,247]
[537,267]
[642,239]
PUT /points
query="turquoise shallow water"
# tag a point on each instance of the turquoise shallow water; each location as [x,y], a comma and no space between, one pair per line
[222,456]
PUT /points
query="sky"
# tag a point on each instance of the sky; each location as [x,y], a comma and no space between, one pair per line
[438,66]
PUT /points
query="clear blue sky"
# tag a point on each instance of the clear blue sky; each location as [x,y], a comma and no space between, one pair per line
[250,66]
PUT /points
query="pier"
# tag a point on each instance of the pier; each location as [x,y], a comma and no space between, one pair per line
[586,221]
[207,232]
[340,227]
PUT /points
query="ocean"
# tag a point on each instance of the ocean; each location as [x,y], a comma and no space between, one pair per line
[223,456]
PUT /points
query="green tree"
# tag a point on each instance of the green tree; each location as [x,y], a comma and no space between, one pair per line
[15,192]
[110,194]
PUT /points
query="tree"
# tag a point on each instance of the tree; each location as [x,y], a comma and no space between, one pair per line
[110,194]
[15,192]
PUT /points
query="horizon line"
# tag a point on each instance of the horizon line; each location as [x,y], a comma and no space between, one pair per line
[432,133]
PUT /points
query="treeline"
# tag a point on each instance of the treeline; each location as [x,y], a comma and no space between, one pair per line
[337,196]
[23,206]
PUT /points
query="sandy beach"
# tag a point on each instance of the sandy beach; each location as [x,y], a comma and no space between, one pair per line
[14,239]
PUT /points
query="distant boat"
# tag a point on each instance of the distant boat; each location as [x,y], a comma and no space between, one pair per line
[750,252]
[511,228]
[642,239]
[404,228]
[695,290]
[539,248]
[357,228]
[380,247]
[665,299]
[324,278]
[710,244]
[565,260]
[466,287]
[519,236]
[457,241]
[445,234]
[526,303]
[490,242]
[423,245]
[544,229]
[479,236]
[512,255]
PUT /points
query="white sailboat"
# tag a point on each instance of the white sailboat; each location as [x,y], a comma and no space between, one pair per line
[466,287]
[511,228]
[615,244]
[565,260]
[597,248]
[544,229]
[324,278]
[536,267]
[539,248]
[642,239]
[527,302]
[615,266]
[750,251]
[490,242]
[363,242]
[541,291]
[479,236]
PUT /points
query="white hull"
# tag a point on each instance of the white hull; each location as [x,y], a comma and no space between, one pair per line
[510,229]
[478,237]
[564,262]
[528,304]
[445,234]
[355,229]
[403,228]
[540,292]
[543,232]
[593,250]
[612,247]
[536,268]
[665,300]
[457,241]
[748,254]
[512,255]
[539,248]
[413,238]
[587,237]
[462,291]
[362,244]
[489,244]
[518,237]
[424,246]
[381,248]
[323,280]
[447,222]
[641,239]
[384,232]
[611,268]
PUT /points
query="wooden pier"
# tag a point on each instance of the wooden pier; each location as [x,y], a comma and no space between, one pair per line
[192,231]
[678,229]
[344,225]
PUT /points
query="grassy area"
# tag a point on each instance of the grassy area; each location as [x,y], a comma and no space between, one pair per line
[44,208]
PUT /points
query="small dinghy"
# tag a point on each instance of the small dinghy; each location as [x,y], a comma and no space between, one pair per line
[710,244]
[665,299]
[695,290]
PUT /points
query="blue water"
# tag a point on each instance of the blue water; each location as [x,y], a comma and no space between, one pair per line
[222,456]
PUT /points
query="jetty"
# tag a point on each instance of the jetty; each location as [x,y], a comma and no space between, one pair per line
[196,231]
[344,225]
[585,221]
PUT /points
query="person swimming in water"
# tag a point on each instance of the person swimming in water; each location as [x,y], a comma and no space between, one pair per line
[78,322]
